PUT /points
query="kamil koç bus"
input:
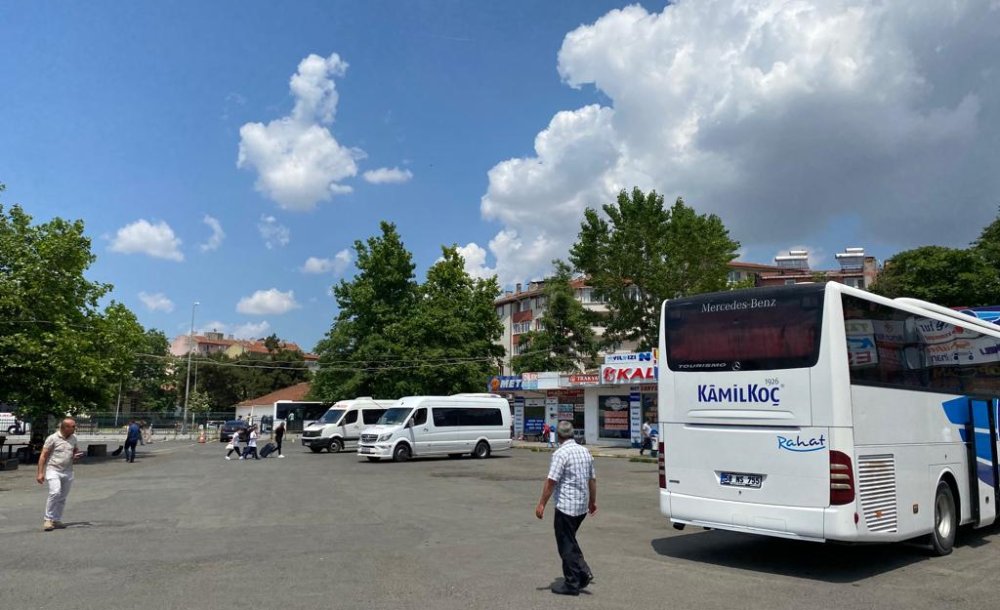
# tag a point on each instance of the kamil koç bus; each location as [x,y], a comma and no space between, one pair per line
[822,412]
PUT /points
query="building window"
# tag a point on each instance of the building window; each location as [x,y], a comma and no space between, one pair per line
[539,325]
[734,277]
[522,327]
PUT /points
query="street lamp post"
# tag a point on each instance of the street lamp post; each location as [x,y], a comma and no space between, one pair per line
[187,385]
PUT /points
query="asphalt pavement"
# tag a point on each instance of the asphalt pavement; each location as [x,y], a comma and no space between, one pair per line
[184,528]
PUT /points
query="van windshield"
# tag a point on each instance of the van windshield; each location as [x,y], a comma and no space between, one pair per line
[394,416]
[331,417]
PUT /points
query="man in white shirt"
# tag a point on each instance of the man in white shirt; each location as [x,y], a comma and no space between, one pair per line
[647,430]
[55,465]
[574,482]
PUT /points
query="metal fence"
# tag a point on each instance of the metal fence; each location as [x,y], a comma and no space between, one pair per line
[160,425]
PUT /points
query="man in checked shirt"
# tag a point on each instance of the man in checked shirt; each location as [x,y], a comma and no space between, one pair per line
[572,478]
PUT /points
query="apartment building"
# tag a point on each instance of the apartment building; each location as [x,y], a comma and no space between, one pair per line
[215,343]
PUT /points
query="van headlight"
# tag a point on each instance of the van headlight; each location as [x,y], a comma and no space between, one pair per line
[384,437]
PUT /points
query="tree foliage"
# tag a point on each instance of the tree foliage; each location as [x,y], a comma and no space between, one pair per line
[947,276]
[393,337]
[226,381]
[52,356]
[645,253]
[566,341]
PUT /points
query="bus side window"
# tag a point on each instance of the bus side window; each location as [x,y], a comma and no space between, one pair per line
[351,417]
[420,417]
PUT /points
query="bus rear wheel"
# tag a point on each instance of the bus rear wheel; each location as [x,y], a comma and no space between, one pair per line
[945,520]
[335,446]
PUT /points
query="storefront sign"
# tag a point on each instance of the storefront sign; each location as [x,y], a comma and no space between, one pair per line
[519,415]
[635,409]
[578,380]
[626,373]
[529,381]
[613,416]
[504,383]
[632,357]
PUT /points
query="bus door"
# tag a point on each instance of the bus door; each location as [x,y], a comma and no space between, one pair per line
[984,475]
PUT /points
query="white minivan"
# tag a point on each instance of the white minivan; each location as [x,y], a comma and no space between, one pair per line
[418,426]
[340,427]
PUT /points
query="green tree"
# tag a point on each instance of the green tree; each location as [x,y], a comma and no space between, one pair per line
[988,244]
[644,253]
[366,338]
[227,381]
[122,339]
[152,380]
[566,341]
[454,329]
[51,357]
[946,276]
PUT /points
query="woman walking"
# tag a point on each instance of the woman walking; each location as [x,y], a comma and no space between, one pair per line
[234,445]
[251,444]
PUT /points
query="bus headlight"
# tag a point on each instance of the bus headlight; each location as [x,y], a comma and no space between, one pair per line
[384,437]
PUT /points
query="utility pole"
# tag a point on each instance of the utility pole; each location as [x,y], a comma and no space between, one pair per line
[187,385]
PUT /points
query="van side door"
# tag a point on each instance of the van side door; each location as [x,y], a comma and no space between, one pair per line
[420,432]
[349,428]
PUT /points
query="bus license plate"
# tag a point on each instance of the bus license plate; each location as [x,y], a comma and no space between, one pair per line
[369,450]
[740,479]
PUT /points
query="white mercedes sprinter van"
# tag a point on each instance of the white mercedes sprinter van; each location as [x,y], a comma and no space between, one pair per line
[418,426]
[341,425]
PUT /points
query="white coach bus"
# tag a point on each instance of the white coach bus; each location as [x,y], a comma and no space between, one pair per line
[822,412]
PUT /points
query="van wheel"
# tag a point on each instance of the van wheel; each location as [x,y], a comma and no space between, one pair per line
[401,453]
[482,450]
[315,449]
[335,446]
[945,520]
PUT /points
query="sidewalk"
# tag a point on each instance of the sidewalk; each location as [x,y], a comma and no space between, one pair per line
[595,450]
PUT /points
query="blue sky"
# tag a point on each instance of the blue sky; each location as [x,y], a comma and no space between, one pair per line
[493,125]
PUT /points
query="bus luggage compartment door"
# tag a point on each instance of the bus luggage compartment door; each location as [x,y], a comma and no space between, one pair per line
[981,440]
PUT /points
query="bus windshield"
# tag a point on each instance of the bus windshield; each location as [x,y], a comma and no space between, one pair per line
[331,417]
[394,416]
[745,330]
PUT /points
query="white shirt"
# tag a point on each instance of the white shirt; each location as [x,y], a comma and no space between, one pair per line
[646,429]
[253,439]
[572,469]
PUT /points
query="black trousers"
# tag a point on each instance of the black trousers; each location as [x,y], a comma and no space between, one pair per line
[575,568]
[130,450]
[277,441]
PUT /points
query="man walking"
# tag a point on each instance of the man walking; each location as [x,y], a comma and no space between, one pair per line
[132,436]
[572,478]
[647,430]
[251,448]
[55,465]
[279,434]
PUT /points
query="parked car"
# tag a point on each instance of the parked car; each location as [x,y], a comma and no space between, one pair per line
[230,429]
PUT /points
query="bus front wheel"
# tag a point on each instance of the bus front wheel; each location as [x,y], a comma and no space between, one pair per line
[945,520]
[335,446]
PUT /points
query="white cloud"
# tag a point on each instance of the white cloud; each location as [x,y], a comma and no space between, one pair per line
[338,264]
[265,302]
[475,261]
[156,301]
[298,161]
[274,234]
[143,237]
[785,118]
[218,234]
[387,175]
[251,331]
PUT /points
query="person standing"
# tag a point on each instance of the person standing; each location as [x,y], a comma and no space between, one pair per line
[55,466]
[546,430]
[573,480]
[647,429]
[251,444]
[279,434]
[132,437]
[552,436]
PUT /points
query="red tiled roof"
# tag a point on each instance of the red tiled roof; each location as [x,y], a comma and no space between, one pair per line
[295,392]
